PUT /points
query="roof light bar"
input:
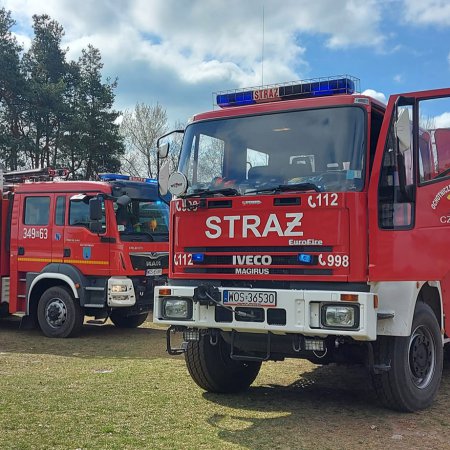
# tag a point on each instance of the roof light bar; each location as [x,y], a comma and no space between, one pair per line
[316,87]
[122,177]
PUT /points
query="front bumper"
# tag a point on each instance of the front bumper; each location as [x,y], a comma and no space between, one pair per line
[297,311]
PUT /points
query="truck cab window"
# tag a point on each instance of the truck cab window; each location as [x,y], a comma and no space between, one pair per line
[396,180]
[434,139]
[79,213]
[37,210]
[60,210]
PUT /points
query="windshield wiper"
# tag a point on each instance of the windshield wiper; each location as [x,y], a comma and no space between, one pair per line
[287,187]
[443,174]
[211,192]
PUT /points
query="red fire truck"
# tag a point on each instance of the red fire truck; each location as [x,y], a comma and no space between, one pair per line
[71,249]
[312,222]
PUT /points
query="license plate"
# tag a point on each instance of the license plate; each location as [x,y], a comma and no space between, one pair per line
[150,272]
[266,299]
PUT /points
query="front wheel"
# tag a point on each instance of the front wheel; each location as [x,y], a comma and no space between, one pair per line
[59,313]
[120,320]
[416,364]
[211,367]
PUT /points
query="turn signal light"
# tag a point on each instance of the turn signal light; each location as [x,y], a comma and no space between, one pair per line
[165,291]
[349,297]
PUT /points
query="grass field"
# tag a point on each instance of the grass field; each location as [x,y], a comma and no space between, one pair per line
[118,389]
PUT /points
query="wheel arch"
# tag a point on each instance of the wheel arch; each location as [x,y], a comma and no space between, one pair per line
[53,275]
[430,294]
[400,299]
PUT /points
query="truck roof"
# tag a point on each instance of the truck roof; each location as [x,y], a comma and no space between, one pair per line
[64,186]
[285,105]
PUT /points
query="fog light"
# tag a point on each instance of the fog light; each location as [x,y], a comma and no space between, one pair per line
[120,298]
[314,344]
[340,316]
[119,288]
[177,308]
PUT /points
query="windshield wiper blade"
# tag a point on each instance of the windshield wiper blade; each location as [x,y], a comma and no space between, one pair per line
[211,192]
[443,174]
[288,187]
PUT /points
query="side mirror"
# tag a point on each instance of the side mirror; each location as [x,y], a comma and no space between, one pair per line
[163,150]
[403,131]
[95,209]
[163,178]
[123,200]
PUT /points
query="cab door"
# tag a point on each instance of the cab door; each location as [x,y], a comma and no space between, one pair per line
[409,193]
[34,237]
[83,248]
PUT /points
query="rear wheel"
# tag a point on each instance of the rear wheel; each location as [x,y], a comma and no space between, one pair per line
[59,313]
[416,364]
[211,367]
[120,320]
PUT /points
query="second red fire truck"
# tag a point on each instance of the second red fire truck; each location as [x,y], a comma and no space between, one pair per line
[313,222]
[71,249]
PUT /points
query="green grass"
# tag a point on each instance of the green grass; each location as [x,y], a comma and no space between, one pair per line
[118,389]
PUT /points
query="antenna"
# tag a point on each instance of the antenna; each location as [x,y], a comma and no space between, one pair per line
[262,50]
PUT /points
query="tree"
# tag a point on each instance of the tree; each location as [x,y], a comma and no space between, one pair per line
[12,88]
[99,143]
[45,70]
[141,129]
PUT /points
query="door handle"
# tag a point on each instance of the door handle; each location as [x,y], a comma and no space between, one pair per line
[21,251]
[66,253]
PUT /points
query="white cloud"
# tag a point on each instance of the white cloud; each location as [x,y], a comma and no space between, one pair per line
[427,12]
[376,95]
[158,47]
[442,121]
[398,78]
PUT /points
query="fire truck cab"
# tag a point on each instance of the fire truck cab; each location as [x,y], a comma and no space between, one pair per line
[71,249]
[311,221]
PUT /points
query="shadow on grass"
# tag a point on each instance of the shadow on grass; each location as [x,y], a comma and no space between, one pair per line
[94,341]
[327,407]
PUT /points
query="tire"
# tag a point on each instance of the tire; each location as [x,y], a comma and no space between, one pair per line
[416,364]
[120,320]
[211,367]
[59,313]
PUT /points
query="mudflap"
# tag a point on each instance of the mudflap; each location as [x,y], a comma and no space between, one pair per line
[28,323]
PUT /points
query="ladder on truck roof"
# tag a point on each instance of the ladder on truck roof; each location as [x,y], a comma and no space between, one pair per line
[9,179]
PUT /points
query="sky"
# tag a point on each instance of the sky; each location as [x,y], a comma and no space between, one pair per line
[178,52]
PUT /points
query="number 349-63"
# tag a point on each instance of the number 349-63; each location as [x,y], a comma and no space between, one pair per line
[35,233]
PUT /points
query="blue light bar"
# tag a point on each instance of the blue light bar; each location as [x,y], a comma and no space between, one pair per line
[119,177]
[198,257]
[305,258]
[318,87]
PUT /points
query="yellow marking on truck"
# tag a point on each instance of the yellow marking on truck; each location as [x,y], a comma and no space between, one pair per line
[56,260]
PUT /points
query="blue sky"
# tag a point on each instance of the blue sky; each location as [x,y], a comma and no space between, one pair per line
[177,52]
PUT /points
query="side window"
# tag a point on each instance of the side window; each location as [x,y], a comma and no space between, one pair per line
[396,183]
[434,139]
[206,159]
[37,210]
[79,212]
[210,158]
[60,210]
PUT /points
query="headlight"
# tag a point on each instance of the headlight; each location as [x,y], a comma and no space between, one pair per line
[340,316]
[176,308]
[119,288]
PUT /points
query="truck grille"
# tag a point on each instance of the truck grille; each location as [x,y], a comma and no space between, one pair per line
[283,260]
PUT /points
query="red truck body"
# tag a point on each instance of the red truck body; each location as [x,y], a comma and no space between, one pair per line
[316,225]
[48,242]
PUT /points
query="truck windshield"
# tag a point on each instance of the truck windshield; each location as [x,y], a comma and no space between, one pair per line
[323,148]
[143,221]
